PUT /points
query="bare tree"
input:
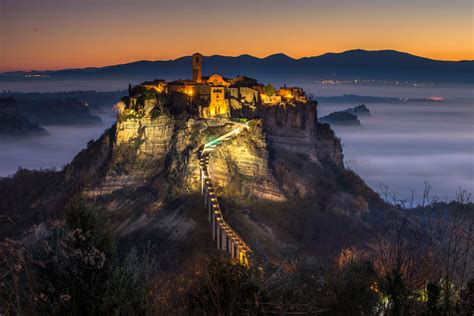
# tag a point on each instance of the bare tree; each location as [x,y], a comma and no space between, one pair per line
[452,232]
[404,260]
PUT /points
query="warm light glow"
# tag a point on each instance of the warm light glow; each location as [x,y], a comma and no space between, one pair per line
[39,32]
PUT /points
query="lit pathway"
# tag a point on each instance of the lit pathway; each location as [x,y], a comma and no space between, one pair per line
[224,236]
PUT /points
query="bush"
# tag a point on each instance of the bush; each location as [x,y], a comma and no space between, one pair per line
[74,270]
[355,289]
[227,288]
[126,289]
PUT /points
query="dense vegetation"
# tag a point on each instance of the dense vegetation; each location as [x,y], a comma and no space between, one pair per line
[72,266]
[74,269]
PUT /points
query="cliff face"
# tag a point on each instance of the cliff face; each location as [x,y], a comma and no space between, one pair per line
[293,127]
[328,146]
[283,157]
[240,167]
[138,152]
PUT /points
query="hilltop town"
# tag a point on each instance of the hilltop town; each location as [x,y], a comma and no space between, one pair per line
[218,97]
[149,113]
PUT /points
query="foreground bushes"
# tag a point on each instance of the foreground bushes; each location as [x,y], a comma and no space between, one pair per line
[73,270]
[71,267]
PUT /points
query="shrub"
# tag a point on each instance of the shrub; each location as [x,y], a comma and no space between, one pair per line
[355,290]
[227,288]
[74,270]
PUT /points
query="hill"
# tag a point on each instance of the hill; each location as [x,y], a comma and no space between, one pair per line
[13,123]
[349,65]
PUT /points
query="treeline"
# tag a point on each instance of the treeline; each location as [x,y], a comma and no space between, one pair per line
[71,266]
[22,199]
[95,99]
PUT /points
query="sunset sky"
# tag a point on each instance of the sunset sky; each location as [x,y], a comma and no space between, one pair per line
[56,34]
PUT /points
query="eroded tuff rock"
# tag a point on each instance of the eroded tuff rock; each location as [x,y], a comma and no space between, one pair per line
[241,166]
[138,153]
[273,176]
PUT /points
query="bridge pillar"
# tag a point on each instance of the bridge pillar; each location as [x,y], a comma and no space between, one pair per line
[219,237]
[202,179]
[209,210]
[225,242]
[213,225]
[236,251]
[230,245]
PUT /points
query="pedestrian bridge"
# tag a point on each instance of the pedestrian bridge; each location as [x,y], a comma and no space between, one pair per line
[224,236]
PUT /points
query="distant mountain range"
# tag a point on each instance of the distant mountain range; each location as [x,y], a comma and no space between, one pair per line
[350,65]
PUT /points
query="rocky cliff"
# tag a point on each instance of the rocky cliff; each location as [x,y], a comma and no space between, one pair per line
[139,152]
[240,167]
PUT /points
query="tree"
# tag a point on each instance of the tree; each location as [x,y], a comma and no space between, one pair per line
[451,227]
[227,288]
[73,270]
[269,89]
[355,289]
[403,258]
[433,292]
[126,289]
[467,298]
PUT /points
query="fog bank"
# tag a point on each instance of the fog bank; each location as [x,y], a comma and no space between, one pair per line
[403,145]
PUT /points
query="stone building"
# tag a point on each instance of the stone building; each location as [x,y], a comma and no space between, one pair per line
[182,86]
[292,93]
[216,95]
[159,85]
[197,68]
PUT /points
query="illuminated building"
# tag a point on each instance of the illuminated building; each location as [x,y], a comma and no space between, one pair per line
[217,96]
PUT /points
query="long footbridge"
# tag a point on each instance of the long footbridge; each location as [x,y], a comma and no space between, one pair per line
[224,236]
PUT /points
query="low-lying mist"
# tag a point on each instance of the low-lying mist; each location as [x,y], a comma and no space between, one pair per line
[404,145]
[52,151]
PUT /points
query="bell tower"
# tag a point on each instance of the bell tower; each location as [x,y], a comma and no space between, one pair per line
[197,68]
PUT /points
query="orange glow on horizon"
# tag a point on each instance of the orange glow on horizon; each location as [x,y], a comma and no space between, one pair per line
[65,63]
[59,34]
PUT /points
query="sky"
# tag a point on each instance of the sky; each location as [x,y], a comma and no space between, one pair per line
[58,34]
